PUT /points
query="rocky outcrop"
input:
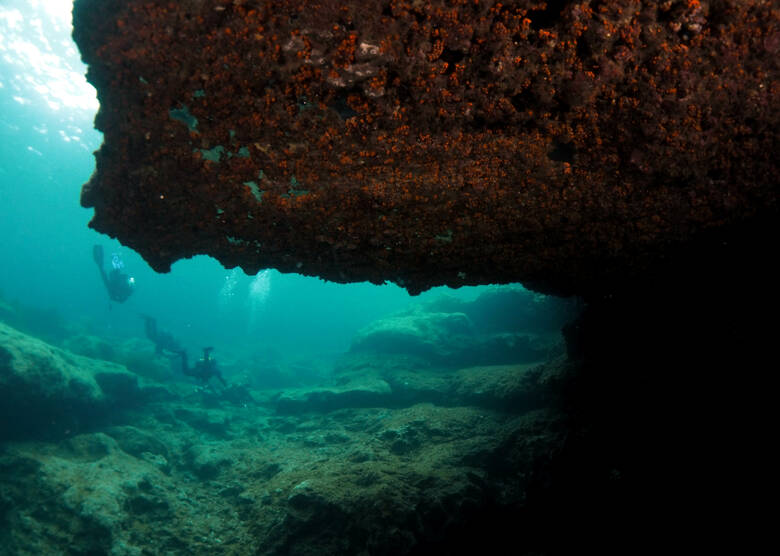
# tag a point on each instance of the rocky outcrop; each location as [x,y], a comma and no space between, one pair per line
[501,326]
[48,391]
[415,471]
[429,336]
[351,481]
[449,340]
[87,495]
[487,352]
[363,390]
[367,382]
[565,145]
[138,355]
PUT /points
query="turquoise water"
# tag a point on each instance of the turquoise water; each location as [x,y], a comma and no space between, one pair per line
[46,144]
[351,418]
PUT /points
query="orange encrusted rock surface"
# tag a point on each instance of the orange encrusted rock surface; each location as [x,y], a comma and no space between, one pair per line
[567,145]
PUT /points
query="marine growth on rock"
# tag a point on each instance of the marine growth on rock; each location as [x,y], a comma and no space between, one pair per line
[562,144]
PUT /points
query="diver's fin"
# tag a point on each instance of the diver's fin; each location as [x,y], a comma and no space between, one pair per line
[97,255]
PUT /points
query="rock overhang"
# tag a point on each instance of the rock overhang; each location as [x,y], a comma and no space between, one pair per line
[565,145]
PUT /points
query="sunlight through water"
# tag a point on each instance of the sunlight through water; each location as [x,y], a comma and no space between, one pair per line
[40,61]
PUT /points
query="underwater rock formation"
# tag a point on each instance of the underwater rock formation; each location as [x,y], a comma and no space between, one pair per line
[448,340]
[501,326]
[565,145]
[78,496]
[418,479]
[48,391]
[371,382]
[138,355]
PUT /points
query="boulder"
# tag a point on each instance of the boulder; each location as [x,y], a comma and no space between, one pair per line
[50,391]
[136,354]
[436,337]
[500,326]
[90,346]
[207,461]
[137,442]
[509,308]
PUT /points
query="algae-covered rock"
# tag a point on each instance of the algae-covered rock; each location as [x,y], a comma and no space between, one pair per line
[501,326]
[137,442]
[509,308]
[213,422]
[207,461]
[87,345]
[47,390]
[80,498]
[351,481]
[406,486]
[507,387]
[139,356]
[362,381]
[358,391]
[430,336]
[136,354]
[90,447]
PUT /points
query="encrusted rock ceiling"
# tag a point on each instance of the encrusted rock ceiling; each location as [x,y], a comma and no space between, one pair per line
[565,145]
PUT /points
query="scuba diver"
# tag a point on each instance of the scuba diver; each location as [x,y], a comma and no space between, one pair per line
[203,369]
[119,285]
[163,341]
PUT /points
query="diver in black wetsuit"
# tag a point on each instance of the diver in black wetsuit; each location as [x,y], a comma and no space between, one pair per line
[118,284]
[163,341]
[203,369]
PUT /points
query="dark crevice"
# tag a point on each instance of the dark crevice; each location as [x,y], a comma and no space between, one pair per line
[342,108]
[521,101]
[452,57]
[562,152]
[549,16]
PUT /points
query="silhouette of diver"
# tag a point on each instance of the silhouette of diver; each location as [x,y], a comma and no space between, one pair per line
[118,284]
[203,369]
[163,341]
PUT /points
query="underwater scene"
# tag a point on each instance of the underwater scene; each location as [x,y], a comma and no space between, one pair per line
[205,411]
[388,277]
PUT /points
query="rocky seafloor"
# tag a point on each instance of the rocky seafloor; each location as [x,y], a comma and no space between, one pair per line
[435,433]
